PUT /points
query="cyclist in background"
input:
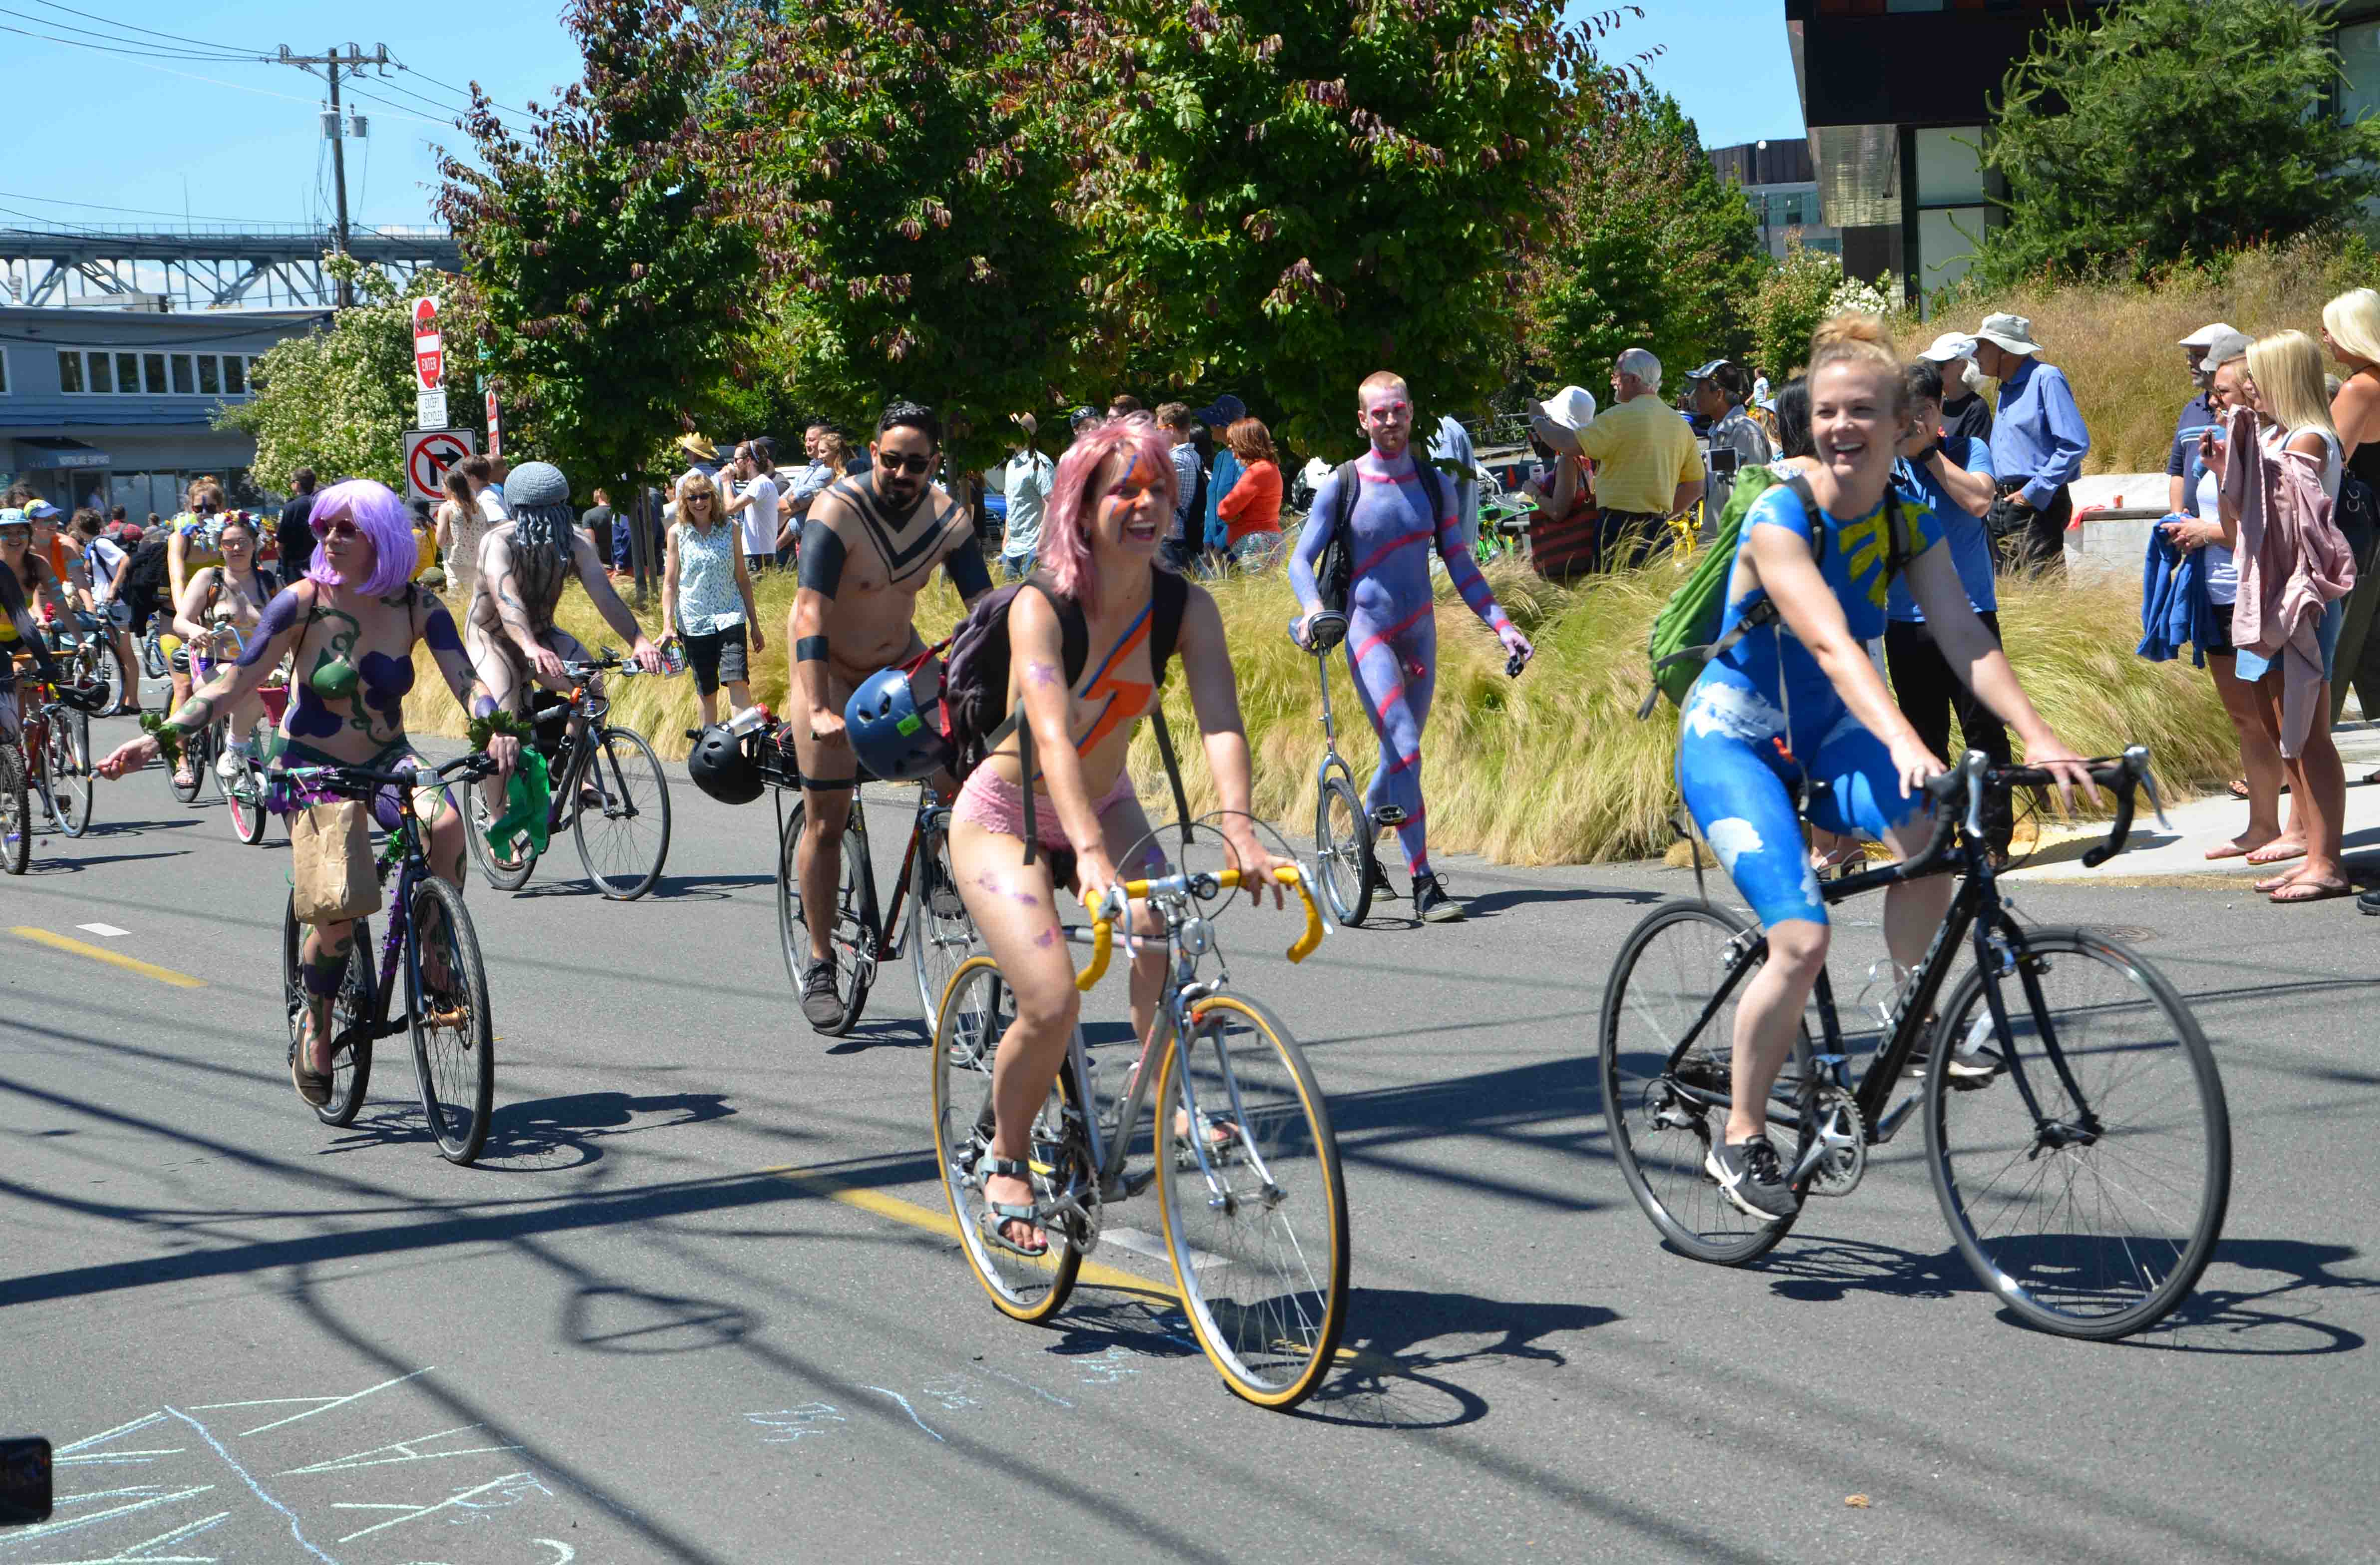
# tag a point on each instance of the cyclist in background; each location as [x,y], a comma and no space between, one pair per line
[1796,702]
[106,564]
[219,610]
[21,625]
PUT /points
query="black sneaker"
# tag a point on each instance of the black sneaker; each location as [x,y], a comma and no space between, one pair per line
[1380,887]
[1431,904]
[2369,903]
[820,1004]
[1752,1180]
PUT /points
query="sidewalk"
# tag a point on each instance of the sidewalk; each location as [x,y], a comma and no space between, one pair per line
[2180,855]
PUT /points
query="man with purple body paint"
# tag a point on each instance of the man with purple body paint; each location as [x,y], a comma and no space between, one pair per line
[1392,622]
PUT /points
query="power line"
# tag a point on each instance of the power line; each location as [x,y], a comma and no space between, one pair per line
[101,206]
[214,51]
[450,87]
[113,49]
[135,27]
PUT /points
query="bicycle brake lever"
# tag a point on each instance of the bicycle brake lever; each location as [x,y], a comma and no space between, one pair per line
[2138,757]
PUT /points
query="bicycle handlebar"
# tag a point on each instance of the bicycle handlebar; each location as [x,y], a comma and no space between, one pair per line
[365,779]
[1974,776]
[1113,907]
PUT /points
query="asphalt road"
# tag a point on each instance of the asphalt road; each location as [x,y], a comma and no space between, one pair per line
[698,1302]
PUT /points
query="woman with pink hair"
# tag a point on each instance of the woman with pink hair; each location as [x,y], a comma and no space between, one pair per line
[350,625]
[1101,590]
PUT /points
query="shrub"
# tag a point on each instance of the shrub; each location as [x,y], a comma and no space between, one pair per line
[1552,768]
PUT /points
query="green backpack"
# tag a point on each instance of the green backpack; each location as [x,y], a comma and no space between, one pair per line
[1685,633]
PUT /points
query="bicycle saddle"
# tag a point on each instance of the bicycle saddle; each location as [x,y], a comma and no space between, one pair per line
[1325,631]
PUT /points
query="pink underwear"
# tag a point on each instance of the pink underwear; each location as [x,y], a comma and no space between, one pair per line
[995,804]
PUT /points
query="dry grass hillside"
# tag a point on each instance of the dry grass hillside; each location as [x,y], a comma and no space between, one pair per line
[1552,768]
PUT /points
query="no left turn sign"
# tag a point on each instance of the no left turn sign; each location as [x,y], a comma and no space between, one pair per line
[428,455]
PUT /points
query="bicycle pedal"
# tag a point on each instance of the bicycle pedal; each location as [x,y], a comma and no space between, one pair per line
[1389,815]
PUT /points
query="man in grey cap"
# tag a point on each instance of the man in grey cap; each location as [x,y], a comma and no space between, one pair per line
[525,564]
[1719,391]
[2182,466]
[1964,414]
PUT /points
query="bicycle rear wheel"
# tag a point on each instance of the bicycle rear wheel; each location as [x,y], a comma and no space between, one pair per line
[243,794]
[153,657]
[1258,1229]
[1666,973]
[353,1016]
[16,810]
[626,842]
[974,1011]
[69,769]
[506,870]
[453,1039]
[2083,1228]
[854,934]
[1342,844]
[940,931]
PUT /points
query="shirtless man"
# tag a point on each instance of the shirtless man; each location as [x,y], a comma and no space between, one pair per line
[525,564]
[867,547]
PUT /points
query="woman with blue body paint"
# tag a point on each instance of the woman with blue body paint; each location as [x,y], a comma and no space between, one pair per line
[1392,618]
[351,626]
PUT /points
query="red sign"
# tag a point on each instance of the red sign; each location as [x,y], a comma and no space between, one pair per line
[428,455]
[429,346]
[495,427]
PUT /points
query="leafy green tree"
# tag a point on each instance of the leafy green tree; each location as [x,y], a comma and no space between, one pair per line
[339,399]
[903,175]
[1792,297]
[1651,248]
[605,282]
[2157,130]
[1286,197]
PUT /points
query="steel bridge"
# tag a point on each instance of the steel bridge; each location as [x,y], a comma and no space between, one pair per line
[200,267]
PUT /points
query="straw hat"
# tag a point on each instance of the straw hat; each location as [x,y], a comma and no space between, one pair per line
[698,448]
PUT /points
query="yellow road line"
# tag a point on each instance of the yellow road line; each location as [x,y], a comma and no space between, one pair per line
[939,1222]
[113,959]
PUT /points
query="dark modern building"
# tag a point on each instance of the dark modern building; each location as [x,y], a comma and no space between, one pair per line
[1778,180]
[102,407]
[1896,94]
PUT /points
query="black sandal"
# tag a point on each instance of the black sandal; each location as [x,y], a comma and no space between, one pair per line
[997,1215]
[314,1086]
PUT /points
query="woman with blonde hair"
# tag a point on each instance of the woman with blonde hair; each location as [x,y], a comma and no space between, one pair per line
[2351,330]
[2294,575]
[1796,699]
[707,597]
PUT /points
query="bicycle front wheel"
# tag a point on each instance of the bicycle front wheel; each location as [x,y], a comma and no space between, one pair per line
[974,1011]
[939,930]
[622,820]
[852,931]
[69,769]
[198,753]
[453,1038]
[1255,1209]
[243,793]
[1666,975]
[353,1016]
[16,810]
[2094,1217]
[506,869]
[1342,844]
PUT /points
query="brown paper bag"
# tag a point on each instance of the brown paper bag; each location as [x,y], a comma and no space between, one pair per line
[330,878]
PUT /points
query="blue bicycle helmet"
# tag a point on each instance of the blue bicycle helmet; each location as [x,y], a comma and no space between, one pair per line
[892,731]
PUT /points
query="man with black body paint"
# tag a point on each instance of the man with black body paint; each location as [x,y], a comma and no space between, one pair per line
[869,545]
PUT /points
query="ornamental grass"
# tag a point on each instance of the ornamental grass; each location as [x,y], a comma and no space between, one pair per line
[1552,768]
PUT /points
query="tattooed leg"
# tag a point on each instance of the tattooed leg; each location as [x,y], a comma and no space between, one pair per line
[322,968]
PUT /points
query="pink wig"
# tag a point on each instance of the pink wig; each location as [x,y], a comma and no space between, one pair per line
[1066,531]
[380,515]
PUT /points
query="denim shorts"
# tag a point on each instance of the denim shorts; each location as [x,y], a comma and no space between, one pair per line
[2253,666]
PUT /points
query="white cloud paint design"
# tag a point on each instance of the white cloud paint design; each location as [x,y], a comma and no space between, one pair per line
[1733,713]
[1733,838]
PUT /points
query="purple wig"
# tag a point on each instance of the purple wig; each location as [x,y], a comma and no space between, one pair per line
[1066,532]
[380,516]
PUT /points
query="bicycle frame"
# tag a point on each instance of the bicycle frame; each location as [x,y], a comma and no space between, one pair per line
[1330,761]
[933,814]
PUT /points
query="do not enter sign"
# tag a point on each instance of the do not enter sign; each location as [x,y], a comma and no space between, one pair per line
[428,455]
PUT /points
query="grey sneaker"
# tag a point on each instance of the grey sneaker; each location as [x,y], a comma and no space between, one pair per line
[820,1004]
[1751,1178]
[1431,904]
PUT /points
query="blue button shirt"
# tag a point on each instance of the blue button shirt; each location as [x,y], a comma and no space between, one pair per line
[2039,435]
[2182,461]
[1971,547]
[1453,443]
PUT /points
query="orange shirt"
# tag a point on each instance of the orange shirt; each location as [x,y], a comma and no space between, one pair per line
[1254,503]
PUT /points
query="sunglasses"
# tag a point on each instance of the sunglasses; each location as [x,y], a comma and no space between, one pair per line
[894,462]
[337,527]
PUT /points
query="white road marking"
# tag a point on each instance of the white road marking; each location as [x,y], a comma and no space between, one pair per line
[106,931]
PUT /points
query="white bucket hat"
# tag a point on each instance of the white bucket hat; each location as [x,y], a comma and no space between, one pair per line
[1573,408]
[1948,346]
[2012,333]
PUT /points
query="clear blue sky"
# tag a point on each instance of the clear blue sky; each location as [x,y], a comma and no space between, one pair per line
[135,129]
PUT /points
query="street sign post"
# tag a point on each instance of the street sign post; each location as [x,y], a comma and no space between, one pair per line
[430,409]
[428,455]
[429,348]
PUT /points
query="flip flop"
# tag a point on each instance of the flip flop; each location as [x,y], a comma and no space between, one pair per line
[2239,785]
[2275,882]
[2314,891]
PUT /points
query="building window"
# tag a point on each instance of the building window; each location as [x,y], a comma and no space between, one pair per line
[209,382]
[3,371]
[69,371]
[235,374]
[102,373]
[127,372]
[152,372]
[184,384]
[2359,69]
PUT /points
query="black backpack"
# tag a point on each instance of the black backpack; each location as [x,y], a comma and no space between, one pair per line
[1337,572]
[975,718]
[2357,514]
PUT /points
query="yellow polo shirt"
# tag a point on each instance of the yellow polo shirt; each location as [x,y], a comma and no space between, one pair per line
[1642,451]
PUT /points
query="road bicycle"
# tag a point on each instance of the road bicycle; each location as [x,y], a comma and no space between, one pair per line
[239,774]
[1347,863]
[607,785]
[928,922]
[48,762]
[446,1010]
[89,661]
[1247,1177]
[2082,1157]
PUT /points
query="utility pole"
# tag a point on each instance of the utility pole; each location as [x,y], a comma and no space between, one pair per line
[334,64]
